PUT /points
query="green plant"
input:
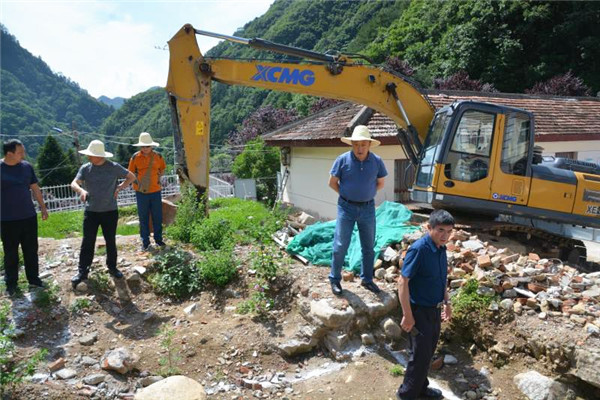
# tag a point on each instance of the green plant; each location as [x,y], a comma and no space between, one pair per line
[99,281]
[397,370]
[168,362]
[47,297]
[267,262]
[174,274]
[12,371]
[259,303]
[190,210]
[80,304]
[468,311]
[211,234]
[217,267]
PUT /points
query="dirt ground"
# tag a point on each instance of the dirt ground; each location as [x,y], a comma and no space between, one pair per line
[216,343]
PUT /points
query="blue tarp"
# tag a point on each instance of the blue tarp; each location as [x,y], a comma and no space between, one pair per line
[315,243]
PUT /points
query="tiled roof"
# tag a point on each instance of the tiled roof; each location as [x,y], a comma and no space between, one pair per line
[555,117]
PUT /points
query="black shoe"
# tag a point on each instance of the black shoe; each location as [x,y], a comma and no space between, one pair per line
[77,279]
[399,397]
[336,288]
[37,285]
[431,393]
[115,273]
[161,243]
[370,286]
[11,291]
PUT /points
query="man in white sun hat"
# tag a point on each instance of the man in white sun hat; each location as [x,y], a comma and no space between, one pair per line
[97,185]
[148,166]
[356,176]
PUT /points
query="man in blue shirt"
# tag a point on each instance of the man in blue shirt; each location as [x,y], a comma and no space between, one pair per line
[424,300]
[18,217]
[356,176]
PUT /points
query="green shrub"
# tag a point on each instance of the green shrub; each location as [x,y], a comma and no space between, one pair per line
[189,212]
[468,311]
[12,371]
[259,303]
[99,281]
[217,267]
[211,234]
[174,274]
[47,297]
[267,261]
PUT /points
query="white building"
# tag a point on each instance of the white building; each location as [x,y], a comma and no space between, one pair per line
[565,127]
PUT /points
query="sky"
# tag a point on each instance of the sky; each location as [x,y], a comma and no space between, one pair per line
[118,48]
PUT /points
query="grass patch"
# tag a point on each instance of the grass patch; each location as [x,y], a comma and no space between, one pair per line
[60,225]
[99,281]
[397,370]
[80,304]
[47,297]
[469,310]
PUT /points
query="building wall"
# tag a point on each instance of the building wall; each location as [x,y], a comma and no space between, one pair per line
[587,150]
[307,186]
[308,190]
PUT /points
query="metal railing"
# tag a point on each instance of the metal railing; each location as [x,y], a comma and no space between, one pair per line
[63,198]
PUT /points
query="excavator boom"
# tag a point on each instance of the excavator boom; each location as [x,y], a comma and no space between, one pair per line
[338,77]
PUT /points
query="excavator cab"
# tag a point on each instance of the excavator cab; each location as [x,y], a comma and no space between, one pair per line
[475,153]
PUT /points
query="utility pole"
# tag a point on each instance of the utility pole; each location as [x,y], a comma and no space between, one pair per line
[76,141]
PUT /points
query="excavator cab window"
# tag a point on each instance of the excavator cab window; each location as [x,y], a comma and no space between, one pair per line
[431,148]
[515,144]
[469,156]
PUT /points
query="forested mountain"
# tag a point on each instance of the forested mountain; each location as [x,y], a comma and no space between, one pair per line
[116,102]
[34,99]
[510,45]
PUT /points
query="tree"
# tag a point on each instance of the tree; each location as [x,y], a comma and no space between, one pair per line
[53,166]
[263,120]
[259,162]
[123,154]
[461,81]
[561,85]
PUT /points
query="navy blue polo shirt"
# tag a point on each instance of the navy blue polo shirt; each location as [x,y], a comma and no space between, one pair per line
[358,179]
[427,268]
[15,195]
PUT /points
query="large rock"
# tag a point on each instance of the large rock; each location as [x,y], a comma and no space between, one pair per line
[174,387]
[587,365]
[330,316]
[539,387]
[120,360]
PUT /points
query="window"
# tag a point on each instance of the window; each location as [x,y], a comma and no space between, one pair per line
[515,145]
[469,156]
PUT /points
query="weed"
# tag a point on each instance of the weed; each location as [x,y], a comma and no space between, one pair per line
[397,370]
[174,274]
[259,303]
[80,304]
[168,363]
[12,371]
[100,281]
[189,212]
[468,310]
[211,234]
[47,297]
[267,262]
[217,267]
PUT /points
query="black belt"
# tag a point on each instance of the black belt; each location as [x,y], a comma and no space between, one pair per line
[358,203]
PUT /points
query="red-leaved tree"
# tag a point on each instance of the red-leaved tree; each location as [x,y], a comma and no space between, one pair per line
[462,81]
[561,85]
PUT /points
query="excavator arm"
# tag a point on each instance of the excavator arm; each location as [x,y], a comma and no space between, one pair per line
[338,77]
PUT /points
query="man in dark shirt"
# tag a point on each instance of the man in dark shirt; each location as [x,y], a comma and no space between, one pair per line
[424,300]
[100,178]
[18,216]
[356,176]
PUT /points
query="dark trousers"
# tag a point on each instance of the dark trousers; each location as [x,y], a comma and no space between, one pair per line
[20,232]
[149,204]
[428,322]
[91,221]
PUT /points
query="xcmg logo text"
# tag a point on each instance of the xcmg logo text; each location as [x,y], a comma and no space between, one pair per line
[284,75]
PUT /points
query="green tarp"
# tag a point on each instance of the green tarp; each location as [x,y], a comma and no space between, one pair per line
[315,243]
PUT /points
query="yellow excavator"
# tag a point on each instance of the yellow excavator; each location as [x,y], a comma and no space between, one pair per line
[470,156]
